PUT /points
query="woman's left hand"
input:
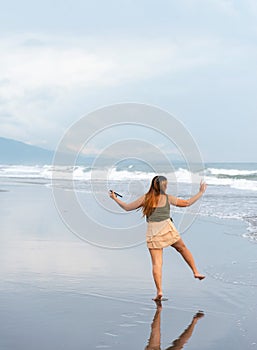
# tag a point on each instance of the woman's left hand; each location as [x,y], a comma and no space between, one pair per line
[203,186]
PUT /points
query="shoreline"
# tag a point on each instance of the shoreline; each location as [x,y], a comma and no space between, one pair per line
[53,283]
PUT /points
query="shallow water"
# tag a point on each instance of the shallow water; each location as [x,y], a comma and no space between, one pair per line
[83,296]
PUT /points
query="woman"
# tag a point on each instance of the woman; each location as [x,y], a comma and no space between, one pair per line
[161,231]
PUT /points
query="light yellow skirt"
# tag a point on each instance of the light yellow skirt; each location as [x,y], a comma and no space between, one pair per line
[161,234]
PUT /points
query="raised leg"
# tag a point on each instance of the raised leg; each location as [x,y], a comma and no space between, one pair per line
[188,257]
[156,256]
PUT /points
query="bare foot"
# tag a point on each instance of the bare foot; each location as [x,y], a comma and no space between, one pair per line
[199,315]
[158,297]
[199,276]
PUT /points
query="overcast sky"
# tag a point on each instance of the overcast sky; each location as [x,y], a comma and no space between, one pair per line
[196,59]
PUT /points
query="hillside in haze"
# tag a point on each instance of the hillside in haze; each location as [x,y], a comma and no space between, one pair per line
[16,152]
[13,152]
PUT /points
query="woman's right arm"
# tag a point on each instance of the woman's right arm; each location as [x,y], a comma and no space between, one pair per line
[128,206]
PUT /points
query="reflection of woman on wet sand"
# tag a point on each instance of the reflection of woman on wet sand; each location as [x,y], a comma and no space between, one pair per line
[161,231]
[154,342]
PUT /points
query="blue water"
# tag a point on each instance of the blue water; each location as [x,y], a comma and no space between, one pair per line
[231,193]
[53,283]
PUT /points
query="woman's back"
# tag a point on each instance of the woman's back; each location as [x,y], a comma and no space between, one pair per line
[161,212]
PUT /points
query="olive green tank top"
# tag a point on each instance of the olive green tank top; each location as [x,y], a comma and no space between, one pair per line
[160,213]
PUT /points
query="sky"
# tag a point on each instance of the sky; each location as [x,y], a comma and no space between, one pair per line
[196,59]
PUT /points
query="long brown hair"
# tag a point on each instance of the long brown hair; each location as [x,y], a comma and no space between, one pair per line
[152,196]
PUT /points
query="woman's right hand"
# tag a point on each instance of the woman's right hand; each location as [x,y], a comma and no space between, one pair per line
[112,195]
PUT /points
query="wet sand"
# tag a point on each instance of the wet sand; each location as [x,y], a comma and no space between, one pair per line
[57,291]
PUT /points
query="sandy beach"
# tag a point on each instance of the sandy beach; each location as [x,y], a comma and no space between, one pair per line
[134,99]
[59,292]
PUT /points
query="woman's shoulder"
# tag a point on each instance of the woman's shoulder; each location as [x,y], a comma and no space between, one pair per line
[171,198]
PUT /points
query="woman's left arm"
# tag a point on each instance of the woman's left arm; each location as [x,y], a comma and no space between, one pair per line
[178,202]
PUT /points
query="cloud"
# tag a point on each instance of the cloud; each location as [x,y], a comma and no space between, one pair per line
[27,69]
[43,76]
[227,7]
[41,73]
[81,63]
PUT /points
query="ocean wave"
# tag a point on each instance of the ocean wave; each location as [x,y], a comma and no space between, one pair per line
[233,178]
[22,171]
[228,197]
[232,173]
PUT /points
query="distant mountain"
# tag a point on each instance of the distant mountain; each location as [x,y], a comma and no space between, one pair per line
[16,152]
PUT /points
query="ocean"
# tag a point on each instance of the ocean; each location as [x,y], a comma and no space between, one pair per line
[231,192]
[99,295]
